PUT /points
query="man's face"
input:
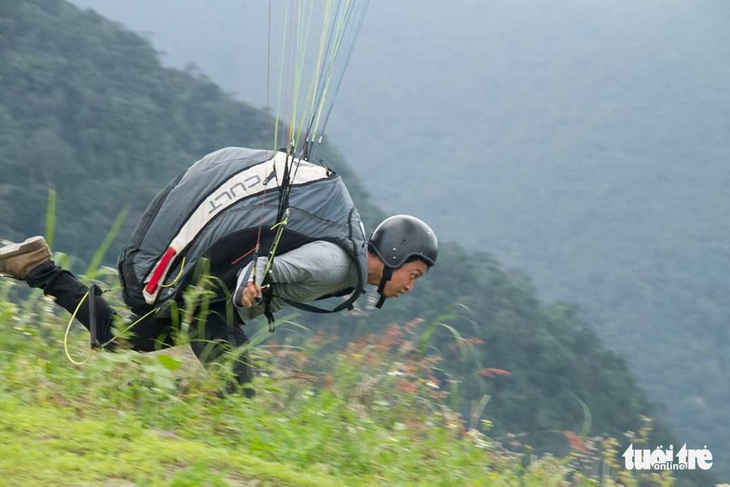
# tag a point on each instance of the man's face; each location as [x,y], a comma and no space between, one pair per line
[404,277]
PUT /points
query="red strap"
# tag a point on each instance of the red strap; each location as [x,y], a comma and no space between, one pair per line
[159,271]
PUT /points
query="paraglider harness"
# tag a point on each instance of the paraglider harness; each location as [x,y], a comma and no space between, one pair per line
[282,219]
[217,207]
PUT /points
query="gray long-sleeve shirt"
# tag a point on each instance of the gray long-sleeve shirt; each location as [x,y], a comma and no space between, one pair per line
[304,274]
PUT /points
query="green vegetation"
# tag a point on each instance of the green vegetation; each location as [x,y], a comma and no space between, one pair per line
[369,414]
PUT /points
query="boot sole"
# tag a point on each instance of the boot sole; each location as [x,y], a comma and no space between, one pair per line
[29,245]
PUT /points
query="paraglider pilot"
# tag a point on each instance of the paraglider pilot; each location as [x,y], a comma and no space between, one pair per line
[311,265]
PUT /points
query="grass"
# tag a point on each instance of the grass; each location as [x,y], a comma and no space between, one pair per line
[370,414]
[51,445]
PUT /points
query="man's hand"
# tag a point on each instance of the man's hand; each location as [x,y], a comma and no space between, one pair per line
[251,294]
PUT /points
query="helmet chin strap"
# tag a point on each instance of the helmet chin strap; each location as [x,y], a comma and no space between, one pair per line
[387,274]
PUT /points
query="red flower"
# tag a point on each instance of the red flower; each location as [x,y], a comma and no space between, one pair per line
[575,441]
[406,386]
[492,372]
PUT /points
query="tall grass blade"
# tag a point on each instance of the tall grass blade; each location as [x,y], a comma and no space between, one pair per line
[477,411]
[425,338]
[93,270]
[51,217]
[587,417]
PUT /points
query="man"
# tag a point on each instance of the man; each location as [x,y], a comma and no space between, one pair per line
[399,251]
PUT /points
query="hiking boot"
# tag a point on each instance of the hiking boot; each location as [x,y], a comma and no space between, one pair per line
[17,259]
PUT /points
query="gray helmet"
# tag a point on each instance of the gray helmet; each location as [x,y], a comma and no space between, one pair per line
[401,237]
[398,239]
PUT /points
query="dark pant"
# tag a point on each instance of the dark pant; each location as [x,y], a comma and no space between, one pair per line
[211,337]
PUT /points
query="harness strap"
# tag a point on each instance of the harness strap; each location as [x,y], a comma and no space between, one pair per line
[348,305]
[387,274]
[93,330]
[268,295]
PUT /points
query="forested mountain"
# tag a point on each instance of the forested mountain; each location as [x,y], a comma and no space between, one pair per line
[86,108]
